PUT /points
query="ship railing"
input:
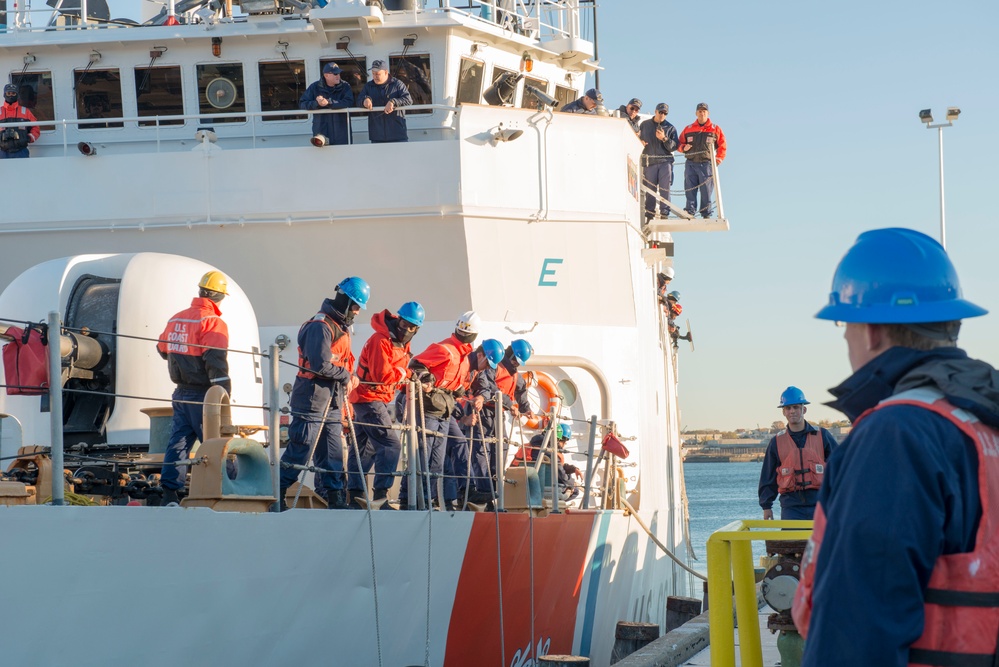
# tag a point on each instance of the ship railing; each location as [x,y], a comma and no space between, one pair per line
[166,132]
[540,19]
[730,565]
[684,221]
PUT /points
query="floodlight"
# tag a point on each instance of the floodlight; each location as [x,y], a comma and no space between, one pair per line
[503,91]
[953,113]
[87,149]
[926,116]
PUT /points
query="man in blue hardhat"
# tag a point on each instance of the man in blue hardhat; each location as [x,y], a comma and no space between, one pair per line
[585,104]
[902,564]
[795,462]
[324,381]
[383,364]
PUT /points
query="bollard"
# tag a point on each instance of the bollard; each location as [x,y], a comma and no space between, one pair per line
[563,661]
[629,637]
[679,610]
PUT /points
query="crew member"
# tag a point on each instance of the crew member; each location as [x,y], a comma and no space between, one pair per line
[659,139]
[457,450]
[330,92]
[385,93]
[663,280]
[903,564]
[585,104]
[795,462]
[383,364]
[695,142]
[569,475]
[630,111]
[441,369]
[14,140]
[195,344]
[324,381]
[506,379]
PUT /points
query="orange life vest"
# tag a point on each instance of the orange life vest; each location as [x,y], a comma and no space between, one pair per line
[506,382]
[800,467]
[340,352]
[961,601]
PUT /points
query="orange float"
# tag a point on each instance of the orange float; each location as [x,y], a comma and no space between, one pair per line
[547,390]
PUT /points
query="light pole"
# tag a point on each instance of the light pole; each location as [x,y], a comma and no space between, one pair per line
[927,117]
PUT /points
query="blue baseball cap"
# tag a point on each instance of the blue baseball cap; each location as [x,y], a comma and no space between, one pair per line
[331,68]
[594,95]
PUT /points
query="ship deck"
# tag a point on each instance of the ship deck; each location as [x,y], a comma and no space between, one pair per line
[771,657]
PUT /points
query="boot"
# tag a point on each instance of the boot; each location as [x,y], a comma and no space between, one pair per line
[336,499]
[169,496]
[352,496]
[379,500]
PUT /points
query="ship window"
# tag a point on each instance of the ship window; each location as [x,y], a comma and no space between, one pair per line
[529,101]
[353,71]
[158,92]
[469,82]
[34,91]
[220,90]
[498,72]
[98,95]
[281,86]
[414,71]
[564,95]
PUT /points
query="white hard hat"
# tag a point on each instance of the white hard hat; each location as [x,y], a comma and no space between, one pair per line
[468,323]
[669,272]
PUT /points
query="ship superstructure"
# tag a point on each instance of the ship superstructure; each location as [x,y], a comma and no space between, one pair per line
[186,139]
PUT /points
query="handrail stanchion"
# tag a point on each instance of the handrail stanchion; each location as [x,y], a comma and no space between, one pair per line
[411,442]
[721,627]
[714,175]
[746,605]
[55,409]
[590,446]
[275,424]
[555,431]
[500,454]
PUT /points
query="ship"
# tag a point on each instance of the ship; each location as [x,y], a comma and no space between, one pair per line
[172,143]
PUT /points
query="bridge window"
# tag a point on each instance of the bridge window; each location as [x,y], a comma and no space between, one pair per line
[470,82]
[282,84]
[220,90]
[529,101]
[34,91]
[414,71]
[98,95]
[353,70]
[564,95]
[158,92]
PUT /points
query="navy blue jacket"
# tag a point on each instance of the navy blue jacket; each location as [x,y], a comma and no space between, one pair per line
[656,150]
[485,385]
[771,461]
[333,126]
[309,396]
[384,127]
[899,492]
[576,106]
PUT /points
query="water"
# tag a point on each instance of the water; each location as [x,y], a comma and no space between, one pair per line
[720,493]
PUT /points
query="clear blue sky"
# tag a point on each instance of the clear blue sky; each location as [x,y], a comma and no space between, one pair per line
[819,104]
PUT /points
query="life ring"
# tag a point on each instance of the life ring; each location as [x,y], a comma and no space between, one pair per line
[548,391]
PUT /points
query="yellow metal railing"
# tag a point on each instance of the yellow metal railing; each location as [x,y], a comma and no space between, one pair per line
[730,562]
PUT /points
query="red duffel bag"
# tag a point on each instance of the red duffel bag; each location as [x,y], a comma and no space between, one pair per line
[24,361]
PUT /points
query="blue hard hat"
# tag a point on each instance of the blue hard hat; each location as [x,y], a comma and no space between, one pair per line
[792,396]
[522,351]
[896,276]
[675,295]
[413,313]
[493,350]
[564,432]
[357,289]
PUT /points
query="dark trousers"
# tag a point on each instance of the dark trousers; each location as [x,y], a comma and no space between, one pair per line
[4,155]
[658,176]
[329,453]
[379,445]
[430,444]
[455,461]
[184,432]
[697,179]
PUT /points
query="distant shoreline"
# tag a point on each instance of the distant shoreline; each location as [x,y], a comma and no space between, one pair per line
[721,457]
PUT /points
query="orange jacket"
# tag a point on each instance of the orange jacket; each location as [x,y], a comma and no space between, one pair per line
[695,136]
[382,365]
[448,362]
[187,344]
[13,112]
